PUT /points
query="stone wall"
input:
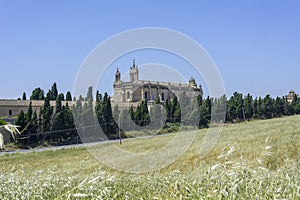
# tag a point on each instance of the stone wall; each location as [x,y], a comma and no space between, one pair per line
[10,108]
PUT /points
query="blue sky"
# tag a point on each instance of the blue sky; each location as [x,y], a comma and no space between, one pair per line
[255,44]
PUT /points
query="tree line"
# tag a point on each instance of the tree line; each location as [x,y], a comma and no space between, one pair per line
[52,125]
[241,108]
[62,124]
[237,108]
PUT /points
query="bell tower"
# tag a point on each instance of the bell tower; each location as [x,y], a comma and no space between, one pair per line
[134,72]
[192,82]
[118,84]
[117,76]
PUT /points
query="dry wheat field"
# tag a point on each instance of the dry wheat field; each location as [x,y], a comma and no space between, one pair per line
[253,160]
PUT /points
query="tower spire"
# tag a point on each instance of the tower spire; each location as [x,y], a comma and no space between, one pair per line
[117,75]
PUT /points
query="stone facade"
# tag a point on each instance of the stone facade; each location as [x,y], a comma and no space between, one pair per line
[10,108]
[134,91]
[291,96]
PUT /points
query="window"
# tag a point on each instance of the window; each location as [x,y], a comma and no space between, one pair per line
[162,96]
[145,95]
[128,95]
[10,112]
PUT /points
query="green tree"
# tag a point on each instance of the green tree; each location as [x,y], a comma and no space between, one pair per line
[235,107]
[78,113]
[29,113]
[175,107]
[278,107]
[69,134]
[260,109]
[157,115]
[35,123]
[141,115]
[20,121]
[268,107]
[204,113]
[34,139]
[54,92]
[177,114]
[24,96]
[47,112]
[220,108]
[248,107]
[288,110]
[89,96]
[61,96]
[168,110]
[131,112]
[37,94]
[98,108]
[295,105]
[125,120]
[109,125]
[145,120]
[68,96]
[58,121]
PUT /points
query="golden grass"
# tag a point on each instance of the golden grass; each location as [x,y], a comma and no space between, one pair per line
[257,159]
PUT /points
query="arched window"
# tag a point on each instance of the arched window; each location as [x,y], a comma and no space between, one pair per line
[128,95]
[145,95]
[162,96]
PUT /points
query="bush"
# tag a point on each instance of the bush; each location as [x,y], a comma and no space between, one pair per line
[2,122]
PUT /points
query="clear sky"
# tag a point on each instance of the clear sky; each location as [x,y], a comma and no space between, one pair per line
[255,44]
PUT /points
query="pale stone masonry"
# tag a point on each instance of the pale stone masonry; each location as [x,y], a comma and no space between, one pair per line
[135,91]
[10,108]
[291,96]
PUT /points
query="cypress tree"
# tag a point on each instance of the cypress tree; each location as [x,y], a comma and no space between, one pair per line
[109,125]
[54,92]
[157,115]
[28,115]
[70,134]
[24,96]
[278,107]
[168,110]
[260,112]
[47,112]
[98,108]
[177,114]
[125,120]
[204,114]
[58,121]
[89,96]
[34,129]
[68,96]
[248,106]
[138,115]
[131,112]
[145,118]
[267,107]
[174,103]
[78,113]
[20,121]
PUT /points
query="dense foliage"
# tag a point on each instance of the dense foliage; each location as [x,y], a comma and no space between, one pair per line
[56,124]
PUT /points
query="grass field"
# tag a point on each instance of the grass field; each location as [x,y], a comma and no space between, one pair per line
[253,160]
